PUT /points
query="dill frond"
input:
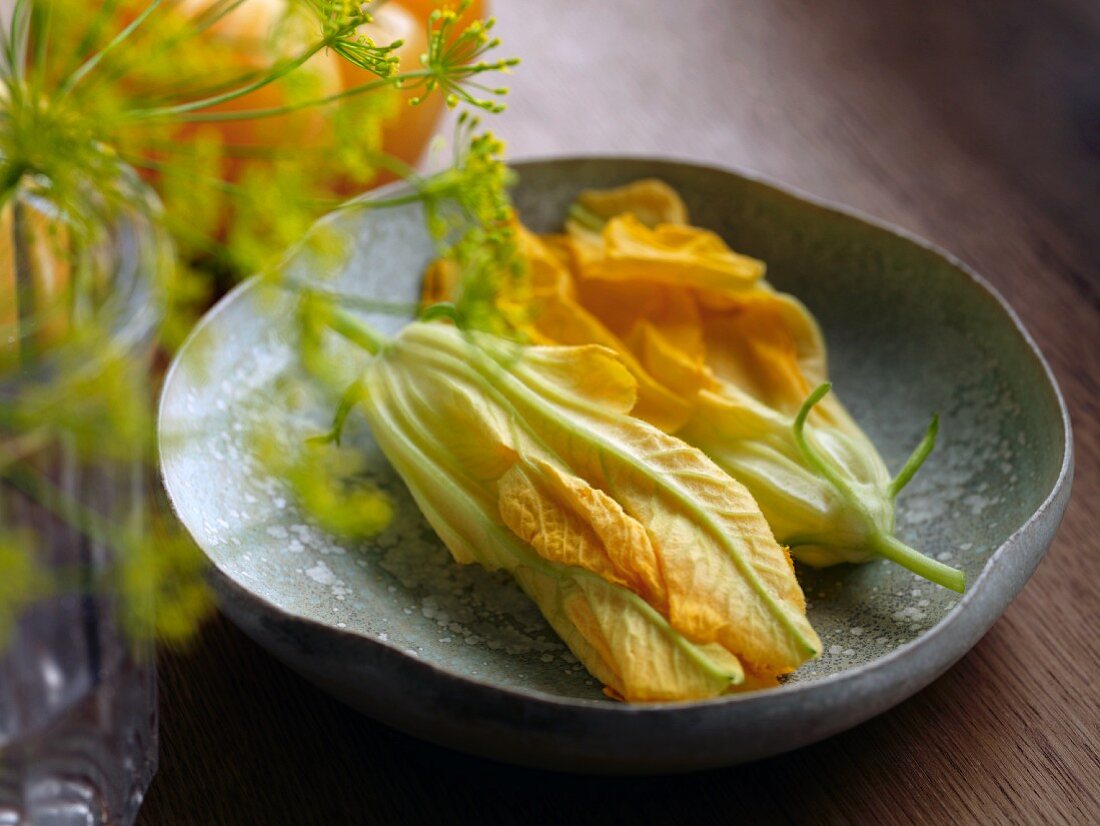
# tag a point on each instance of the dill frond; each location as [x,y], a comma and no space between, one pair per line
[245,124]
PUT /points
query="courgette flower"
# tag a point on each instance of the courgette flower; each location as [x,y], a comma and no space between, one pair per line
[653,565]
[725,362]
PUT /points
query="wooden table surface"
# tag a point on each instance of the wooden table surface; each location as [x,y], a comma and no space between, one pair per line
[974,124]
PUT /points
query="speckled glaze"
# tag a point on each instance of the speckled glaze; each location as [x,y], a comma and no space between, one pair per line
[459,656]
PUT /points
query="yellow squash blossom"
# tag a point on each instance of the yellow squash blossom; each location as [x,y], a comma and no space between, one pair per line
[652,564]
[722,360]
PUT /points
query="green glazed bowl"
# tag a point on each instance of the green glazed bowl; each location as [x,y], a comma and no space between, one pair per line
[461,657]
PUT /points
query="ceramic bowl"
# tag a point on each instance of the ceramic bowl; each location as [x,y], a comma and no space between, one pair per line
[460,657]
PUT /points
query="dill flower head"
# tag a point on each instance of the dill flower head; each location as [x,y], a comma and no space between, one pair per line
[234,109]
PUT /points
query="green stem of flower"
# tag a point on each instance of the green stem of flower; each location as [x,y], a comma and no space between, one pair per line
[397,166]
[117,40]
[916,459]
[41,24]
[10,177]
[881,543]
[208,17]
[351,397]
[102,16]
[913,560]
[809,453]
[15,44]
[443,309]
[280,71]
[356,331]
[222,185]
[586,219]
[369,201]
[276,111]
[357,302]
[214,13]
[25,283]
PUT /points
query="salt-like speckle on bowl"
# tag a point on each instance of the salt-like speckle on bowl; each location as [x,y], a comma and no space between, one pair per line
[909,335]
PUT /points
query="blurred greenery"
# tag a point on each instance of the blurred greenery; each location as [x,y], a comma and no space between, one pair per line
[247,139]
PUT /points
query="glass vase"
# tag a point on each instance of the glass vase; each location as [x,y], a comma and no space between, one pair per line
[78,310]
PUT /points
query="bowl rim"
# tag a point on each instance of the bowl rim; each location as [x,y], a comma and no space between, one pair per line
[886,666]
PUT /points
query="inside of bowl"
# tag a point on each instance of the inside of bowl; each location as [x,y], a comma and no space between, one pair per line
[908,333]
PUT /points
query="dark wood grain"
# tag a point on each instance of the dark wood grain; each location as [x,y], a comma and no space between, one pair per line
[974,124]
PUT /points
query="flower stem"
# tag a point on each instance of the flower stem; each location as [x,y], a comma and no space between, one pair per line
[117,40]
[356,331]
[14,45]
[897,551]
[277,72]
[276,111]
[355,302]
[916,459]
[881,543]
[809,453]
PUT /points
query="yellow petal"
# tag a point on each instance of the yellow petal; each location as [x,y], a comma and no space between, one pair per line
[546,270]
[591,373]
[651,201]
[621,640]
[659,325]
[558,320]
[662,569]
[560,247]
[680,256]
[440,282]
[656,333]
[626,645]
[670,360]
[728,580]
[767,345]
[566,520]
[663,346]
